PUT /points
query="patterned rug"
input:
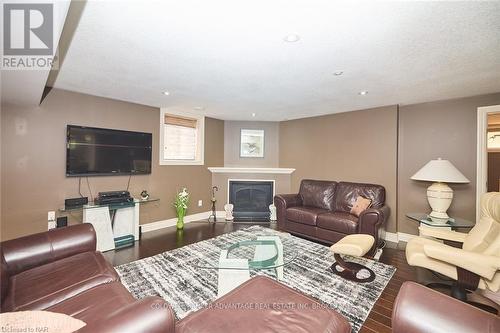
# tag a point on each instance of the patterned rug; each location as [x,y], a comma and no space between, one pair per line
[173,276]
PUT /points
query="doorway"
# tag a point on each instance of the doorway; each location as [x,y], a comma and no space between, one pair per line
[488,152]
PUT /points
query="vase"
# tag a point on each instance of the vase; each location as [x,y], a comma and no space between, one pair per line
[180,222]
[179,239]
[229,211]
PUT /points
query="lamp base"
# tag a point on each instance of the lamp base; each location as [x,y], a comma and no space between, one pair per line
[439,216]
[439,196]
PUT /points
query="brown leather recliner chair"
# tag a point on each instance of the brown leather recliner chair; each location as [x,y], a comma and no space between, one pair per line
[321,211]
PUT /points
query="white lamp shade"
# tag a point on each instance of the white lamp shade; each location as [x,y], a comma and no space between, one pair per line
[440,171]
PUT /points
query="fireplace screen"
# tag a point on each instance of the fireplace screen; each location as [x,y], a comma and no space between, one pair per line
[251,199]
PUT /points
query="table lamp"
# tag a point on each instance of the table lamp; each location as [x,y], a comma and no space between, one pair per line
[439,194]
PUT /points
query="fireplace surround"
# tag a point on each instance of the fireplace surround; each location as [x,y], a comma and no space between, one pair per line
[222,175]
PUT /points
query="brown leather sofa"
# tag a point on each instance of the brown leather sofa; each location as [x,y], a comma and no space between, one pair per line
[60,271]
[418,309]
[321,211]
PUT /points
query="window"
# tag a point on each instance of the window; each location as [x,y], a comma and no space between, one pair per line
[182,139]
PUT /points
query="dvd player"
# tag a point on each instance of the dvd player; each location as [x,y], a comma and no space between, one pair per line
[73,203]
[113,197]
[110,201]
[113,194]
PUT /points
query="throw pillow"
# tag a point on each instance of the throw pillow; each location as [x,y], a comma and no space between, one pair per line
[360,205]
[39,321]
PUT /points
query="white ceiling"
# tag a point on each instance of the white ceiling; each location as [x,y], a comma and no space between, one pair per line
[230,57]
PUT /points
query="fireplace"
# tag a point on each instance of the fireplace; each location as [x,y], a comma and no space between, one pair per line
[251,199]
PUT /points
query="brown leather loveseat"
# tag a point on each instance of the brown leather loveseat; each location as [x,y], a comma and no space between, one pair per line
[61,271]
[321,211]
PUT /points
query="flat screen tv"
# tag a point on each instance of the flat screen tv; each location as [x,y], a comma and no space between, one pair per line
[94,151]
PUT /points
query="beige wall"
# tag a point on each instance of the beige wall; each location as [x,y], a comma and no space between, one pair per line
[33,160]
[232,137]
[444,129]
[358,146]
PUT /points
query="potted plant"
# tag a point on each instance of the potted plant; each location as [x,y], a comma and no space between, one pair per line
[181,204]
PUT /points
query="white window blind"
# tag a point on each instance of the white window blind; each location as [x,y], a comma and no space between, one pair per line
[180,138]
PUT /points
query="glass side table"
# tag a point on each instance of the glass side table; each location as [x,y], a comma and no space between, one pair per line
[116,224]
[452,222]
[111,206]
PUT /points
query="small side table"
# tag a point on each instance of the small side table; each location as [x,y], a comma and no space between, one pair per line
[452,223]
[116,225]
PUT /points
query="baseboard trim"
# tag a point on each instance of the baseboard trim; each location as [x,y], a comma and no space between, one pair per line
[389,236]
[173,221]
[404,237]
[398,237]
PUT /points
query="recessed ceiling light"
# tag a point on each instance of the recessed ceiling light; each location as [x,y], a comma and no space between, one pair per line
[199,108]
[338,73]
[292,38]
[253,114]
[364,92]
[166,93]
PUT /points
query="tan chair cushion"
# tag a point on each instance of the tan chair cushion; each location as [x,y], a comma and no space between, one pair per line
[353,245]
[415,256]
[42,321]
[360,205]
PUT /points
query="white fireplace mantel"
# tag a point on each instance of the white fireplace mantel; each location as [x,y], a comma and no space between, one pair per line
[286,171]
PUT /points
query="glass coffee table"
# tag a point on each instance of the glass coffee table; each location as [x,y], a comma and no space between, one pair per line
[257,253]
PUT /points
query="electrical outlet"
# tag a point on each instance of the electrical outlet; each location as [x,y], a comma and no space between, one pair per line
[51,216]
[51,225]
[200,203]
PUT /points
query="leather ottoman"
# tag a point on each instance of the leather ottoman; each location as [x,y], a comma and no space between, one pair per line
[262,304]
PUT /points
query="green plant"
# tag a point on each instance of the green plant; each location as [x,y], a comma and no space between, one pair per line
[181,202]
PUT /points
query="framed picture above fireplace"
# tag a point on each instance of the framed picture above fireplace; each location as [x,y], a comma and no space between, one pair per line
[252,143]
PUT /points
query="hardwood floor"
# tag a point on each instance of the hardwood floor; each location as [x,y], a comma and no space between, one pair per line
[379,319]
[155,242]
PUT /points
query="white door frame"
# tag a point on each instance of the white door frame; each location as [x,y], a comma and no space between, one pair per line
[482,156]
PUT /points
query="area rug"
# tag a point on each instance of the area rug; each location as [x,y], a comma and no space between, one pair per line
[174,276]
